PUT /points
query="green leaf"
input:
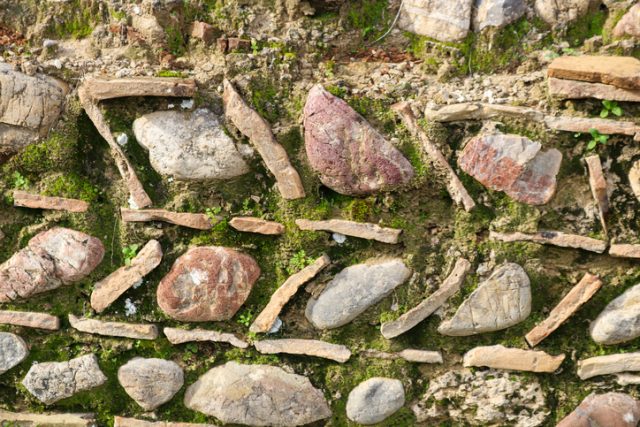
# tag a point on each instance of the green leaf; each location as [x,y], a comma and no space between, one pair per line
[604,113]
[603,139]
[607,104]
[592,144]
[594,132]
[617,111]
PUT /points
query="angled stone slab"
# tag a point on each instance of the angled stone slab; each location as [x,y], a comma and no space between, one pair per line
[634,178]
[60,419]
[363,230]
[444,20]
[114,329]
[409,354]
[30,319]
[625,250]
[620,320]
[256,225]
[180,336]
[132,422]
[254,127]
[555,238]
[598,185]
[315,348]
[585,124]
[609,364]
[500,357]
[36,201]
[411,318]
[185,219]
[619,71]
[455,188]
[480,111]
[573,89]
[577,296]
[109,289]
[501,301]
[265,320]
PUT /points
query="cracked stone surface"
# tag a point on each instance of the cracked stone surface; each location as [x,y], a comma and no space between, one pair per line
[503,300]
[374,400]
[151,382]
[51,259]
[13,350]
[556,12]
[207,284]
[444,20]
[608,409]
[190,146]
[497,13]
[54,381]
[350,156]
[620,319]
[257,395]
[355,289]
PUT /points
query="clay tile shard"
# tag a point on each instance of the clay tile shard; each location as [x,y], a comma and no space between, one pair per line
[555,238]
[111,287]
[598,185]
[577,296]
[513,164]
[36,201]
[256,225]
[180,336]
[619,71]
[573,89]
[625,250]
[608,365]
[500,357]
[363,230]
[254,127]
[114,329]
[30,319]
[191,220]
[350,156]
[315,348]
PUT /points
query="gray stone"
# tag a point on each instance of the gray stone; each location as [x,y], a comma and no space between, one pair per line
[555,12]
[355,289]
[189,146]
[53,381]
[151,382]
[620,319]
[497,13]
[257,395]
[608,409]
[501,301]
[444,20]
[374,400]
[13,350]
[629,25]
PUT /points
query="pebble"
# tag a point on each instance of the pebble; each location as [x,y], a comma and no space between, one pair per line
[374,400]
[13,350]
[150,382]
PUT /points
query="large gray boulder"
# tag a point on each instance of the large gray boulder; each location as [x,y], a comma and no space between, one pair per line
[503,300]
[190,146]
[257,395]
[151,382]
[497,13]
[13,350]
[355,289]
[444,20]
[559,13]
[375,399]
[620,319]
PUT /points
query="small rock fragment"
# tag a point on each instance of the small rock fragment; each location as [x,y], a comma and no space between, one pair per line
[355,289]
[598,185]
[350,156]
[254,127]
[36,201]
[315,348]
[207,284]
[363,230]
[420,356]
[625,250]
[114,329]
[106,291]
[411,318]
[66,420]
[150,382]
[51,259]
[374,400]
[30,319]
[577,296]
[256,225]
[619,71]
[191,220]
[203,31]
[629,25]
[500,357]
[620,319]
[558,13]
[179,336]
[573,89]
[444,20]
[257,395]
[634,178]
[513,164]
[501,301]
[480,111]
[264,321]
[497,13]
[609,364]
[13,350]
[132,422]
[53,381]
[555,238]
[608,409]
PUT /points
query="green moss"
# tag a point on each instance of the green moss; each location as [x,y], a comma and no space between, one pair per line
[267,97]
[368,17]
[586,27]
[69,185]
[171,73]
[75,19]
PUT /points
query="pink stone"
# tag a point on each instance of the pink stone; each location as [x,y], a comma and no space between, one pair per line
[609,409]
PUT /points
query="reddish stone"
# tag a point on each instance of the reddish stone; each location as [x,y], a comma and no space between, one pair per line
[51,259]
[203,31]
[222,44]
[349,154]
[235,43]
[609,409]
[513,164]
[207,284]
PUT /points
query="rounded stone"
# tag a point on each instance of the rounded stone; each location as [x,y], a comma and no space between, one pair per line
[151,382]
[620,319]
[375,399]
[13,350]
[207,283]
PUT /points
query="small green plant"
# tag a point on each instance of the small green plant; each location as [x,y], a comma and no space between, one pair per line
[245,317]
[19,181]
[213,213]
[130,252]
[596,138]
[255,47]
[610,107]
[298,261]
